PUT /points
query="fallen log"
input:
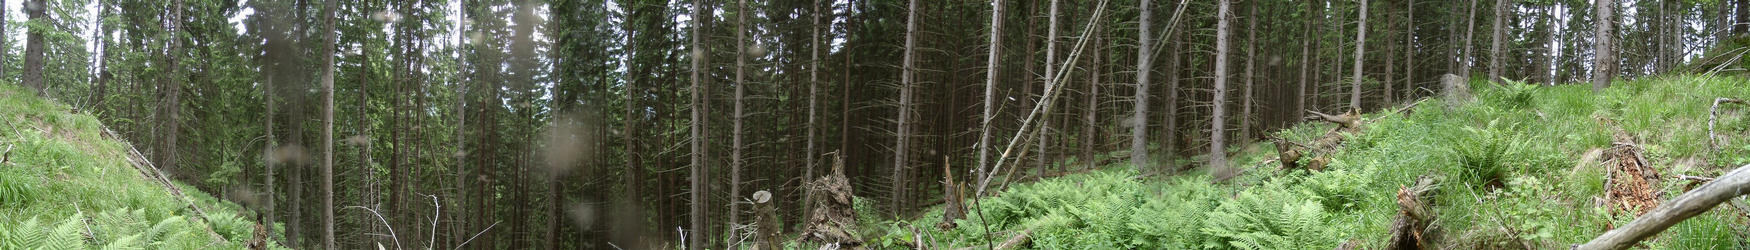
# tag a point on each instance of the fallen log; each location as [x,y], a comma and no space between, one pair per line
[1629,180]
[1713,116]
[1722,189]
[1014,242]
[1290,153]
[1413,226]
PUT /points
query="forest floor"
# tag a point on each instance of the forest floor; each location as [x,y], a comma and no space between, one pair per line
[1520,167]
[67,184]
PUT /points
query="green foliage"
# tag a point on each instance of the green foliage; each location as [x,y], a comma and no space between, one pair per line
[67,187]
[1522,141]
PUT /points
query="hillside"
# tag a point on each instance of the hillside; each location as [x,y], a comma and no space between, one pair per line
[64,184]
[1518,168]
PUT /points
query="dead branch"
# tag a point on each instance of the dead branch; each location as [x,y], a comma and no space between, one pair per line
[1732,184]
[385,224]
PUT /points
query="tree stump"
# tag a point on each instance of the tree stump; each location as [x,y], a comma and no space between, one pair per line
[1413,226]
[1456,90]
[834,220]
[766,233]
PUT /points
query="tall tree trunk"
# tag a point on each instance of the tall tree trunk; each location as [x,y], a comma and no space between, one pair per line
[1251,55]
[1409,51]
[1218,116]
[990,86]
[1470,28]
[271,145]
[327,125]
[1307,53]
[1139,121]
[1496,48]
[813,102]
[1050,78]
[697,191]
[461,151]
[1604,38]
[1741,23]
[1360,50]
[1089,114]
[1175,41]
[735,148]
[37,10]
[101,87]
[1390,57]
[903,129]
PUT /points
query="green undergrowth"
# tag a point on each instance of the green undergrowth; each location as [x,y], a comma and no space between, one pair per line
[1508,165]
[65,186]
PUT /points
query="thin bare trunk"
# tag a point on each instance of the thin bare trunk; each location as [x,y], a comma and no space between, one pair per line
[1360,46]
[1470,28]
[328,125]
[735,133]
[1495,48]
[990,87]
[1139,121]
[904,128]
[1251,55]
[1217,124]
[697,191]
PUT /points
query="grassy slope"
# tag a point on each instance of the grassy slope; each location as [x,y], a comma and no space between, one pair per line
[66,186]
[1527,141]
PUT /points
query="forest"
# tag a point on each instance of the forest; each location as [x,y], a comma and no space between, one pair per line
[874,124]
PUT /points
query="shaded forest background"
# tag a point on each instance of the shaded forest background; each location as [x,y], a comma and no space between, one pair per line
[573,123]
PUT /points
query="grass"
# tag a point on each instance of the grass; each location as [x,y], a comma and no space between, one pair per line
[65,186]
[1509,169]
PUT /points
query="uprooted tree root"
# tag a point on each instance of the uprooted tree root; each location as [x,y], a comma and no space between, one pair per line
[834,220]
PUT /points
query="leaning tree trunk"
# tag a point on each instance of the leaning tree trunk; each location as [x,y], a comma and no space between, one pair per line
[1604,65]
[1470,28]
[1139,121]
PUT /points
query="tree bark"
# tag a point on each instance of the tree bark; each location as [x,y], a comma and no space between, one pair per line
[1495,49]
[1360,46]
[1470,28]
[1251,56]
[735,148]
[328,125]
[905,85]
[1090,113]
[813,94]
[697,191]
[1410,51]
[990,87]
[1604,44]
[1307,43]
[1217,124]
[1139,121]
[37,10]
[1050,78]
